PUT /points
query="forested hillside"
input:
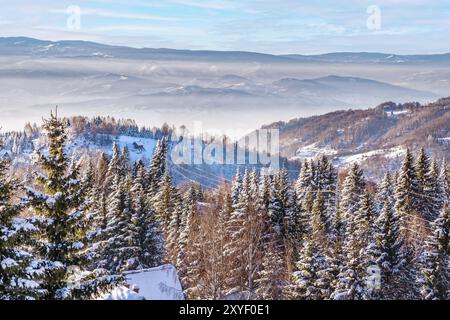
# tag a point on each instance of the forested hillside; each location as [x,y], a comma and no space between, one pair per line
[357,131]
[72,226]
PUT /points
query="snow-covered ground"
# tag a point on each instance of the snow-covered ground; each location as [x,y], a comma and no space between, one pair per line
[391,153]
[160,283]
[396,113]
[139,148]
[312,151]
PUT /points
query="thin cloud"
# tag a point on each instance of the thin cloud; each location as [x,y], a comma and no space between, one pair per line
[118,15]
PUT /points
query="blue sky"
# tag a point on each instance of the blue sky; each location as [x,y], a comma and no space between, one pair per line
[272,26]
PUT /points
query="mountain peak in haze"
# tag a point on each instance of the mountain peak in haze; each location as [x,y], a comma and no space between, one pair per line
[80,48]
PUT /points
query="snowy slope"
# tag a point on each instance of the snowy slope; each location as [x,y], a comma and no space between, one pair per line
[391,153]
[139,148]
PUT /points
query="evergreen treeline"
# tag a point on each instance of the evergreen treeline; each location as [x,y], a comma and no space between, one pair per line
[321,237]
[324,236]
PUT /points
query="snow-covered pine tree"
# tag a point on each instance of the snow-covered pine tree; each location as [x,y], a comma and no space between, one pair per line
[244,248]
[352,192]
[351,279]
[444,181]
[173,232]
[433,192]
[367,215]
[271,279]
[59,246]
[113,167]
[318,223]
[386,190]
[120,231]
[422,169]
[279,200]
[163,204]
[102,171]
[327,184]
[435,264]
[305,281]
[236,187]
[16,276]
[189,211]
[158,166]
[264,191]
[125,162]
[406,194]
[386,255]
[304,183]
[147,234]
[295,225]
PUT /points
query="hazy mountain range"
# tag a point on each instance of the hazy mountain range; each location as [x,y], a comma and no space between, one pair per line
[224,90]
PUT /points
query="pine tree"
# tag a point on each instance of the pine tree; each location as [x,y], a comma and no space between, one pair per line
[189,211]
[386,190]
[147,236]
[306,281]
[305,182]
[121,248]
[319,232]
[351,278]
[279,199]
[236,188]
[271,278]
[367,216]
[102,171]
[113,166]
[444,181]
[386,253]
[352,192]
[59,243]
[422,167]
[433,192]
[124,162]
[244,248]
[435,269]
[264,191]
[406,193]
[173,232]
[327,184]
[162,202]
[16,272]
[158,166]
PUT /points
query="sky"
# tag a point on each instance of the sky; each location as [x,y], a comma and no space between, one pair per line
[270,26]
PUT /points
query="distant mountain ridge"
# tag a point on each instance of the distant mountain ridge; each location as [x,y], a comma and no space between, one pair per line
[78,48]
[350,132]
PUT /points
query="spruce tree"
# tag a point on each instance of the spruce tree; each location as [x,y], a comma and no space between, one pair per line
[271,278]
[433,192]
[406,193]
[386,253]
[60,243]
[189,210]
[352,192]
[306,281]
[16,272]
[147,234]
[158,166]
[435,265]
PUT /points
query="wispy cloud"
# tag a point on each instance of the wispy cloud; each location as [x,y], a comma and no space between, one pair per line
[208,4]
[117,15]
[274,26]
